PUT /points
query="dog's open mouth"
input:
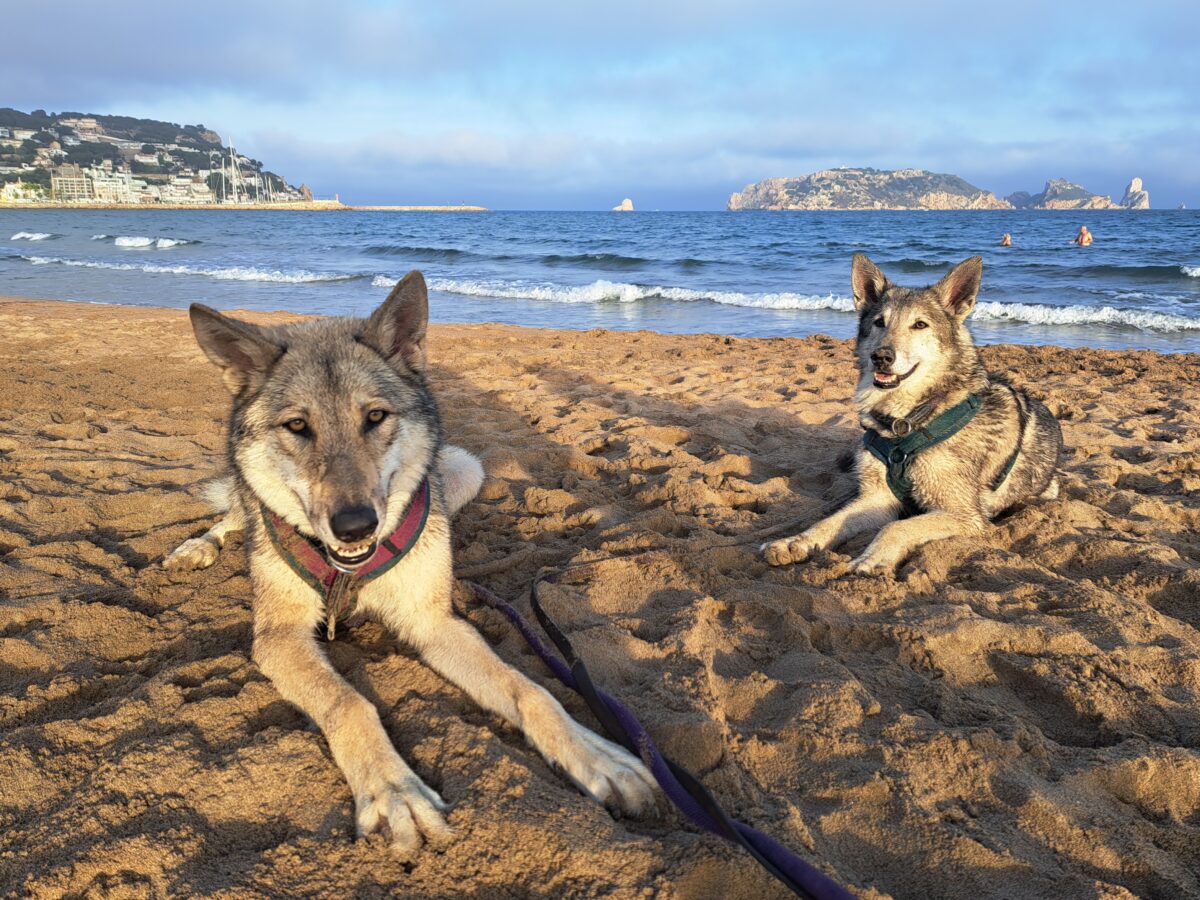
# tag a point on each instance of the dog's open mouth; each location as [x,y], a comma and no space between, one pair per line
[351,557]
[887,380]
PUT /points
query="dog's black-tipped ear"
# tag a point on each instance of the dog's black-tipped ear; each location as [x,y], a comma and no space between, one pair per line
[959,288]
[397,328]
[243,352]
[867,281]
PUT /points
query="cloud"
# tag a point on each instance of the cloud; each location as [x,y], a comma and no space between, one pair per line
[541,104]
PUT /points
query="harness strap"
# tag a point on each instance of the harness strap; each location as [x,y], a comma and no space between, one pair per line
[1022,420]
[306,557]
[898,453]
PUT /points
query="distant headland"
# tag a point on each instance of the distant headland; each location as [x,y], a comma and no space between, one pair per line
[84,161]
[916,189]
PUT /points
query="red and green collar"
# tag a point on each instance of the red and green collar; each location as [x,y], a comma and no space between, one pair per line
[306,557]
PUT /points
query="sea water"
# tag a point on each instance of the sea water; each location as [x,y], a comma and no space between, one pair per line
[749,274]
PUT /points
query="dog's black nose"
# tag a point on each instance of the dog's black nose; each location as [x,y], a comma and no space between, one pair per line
[883,357]
[353,523]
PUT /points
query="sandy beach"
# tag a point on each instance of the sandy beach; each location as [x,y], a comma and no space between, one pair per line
[1015,717]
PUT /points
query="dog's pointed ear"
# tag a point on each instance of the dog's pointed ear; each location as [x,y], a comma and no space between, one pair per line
[243,352]
[867,281]
[397,328]
[958,289]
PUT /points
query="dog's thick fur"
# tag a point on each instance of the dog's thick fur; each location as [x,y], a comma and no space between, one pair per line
[916,359]
[332,415]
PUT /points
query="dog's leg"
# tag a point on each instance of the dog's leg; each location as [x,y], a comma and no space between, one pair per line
[201,552]
[462,476]
[1051,490]
[388,796]
[865,513]
[608,773]
[899,539]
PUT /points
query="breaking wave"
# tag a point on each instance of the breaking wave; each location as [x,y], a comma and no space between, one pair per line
[137,242]
[231,273]
[1190,271]
[32,236]
[619,292]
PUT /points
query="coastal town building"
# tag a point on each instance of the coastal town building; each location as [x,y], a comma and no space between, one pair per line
[117,160]
[69,184]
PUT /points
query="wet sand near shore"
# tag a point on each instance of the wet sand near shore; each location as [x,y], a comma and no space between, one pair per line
[1012,717]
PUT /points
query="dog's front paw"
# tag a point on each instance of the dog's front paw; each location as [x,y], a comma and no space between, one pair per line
[610,774]
[197,553]
[789,550]
[407,812]
[873,565]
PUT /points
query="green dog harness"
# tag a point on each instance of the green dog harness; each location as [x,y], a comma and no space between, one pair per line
[898,453]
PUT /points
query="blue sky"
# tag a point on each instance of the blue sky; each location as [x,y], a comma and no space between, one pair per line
[536,105]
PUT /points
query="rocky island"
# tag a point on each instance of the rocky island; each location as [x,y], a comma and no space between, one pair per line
[915,189]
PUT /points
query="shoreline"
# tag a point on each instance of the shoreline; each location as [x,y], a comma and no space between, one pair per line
[1021,702]
[264,314]
[304,206]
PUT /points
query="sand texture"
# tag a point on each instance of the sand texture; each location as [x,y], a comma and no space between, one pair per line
[1012,717]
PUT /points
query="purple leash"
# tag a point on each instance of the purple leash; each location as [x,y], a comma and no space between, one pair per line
[682,788]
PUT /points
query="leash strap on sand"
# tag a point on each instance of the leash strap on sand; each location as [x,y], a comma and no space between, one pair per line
[682,788]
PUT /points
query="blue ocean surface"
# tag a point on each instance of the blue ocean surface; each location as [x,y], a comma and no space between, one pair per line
[748,274]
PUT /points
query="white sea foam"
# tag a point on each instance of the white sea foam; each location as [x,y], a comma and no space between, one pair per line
[1190,271]
[31,236]
[233,273]
[141,242]
[607,291]
[134,242]
[1038,314]
[619,292]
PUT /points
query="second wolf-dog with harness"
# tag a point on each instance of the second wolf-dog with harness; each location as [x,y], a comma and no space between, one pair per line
[345,489]
[947,446]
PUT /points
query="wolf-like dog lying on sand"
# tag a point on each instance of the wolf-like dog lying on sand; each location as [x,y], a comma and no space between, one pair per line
[948,447]
[343,485]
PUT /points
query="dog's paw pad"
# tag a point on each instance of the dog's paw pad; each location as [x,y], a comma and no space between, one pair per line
[406,816]
[787,550]
[871,567]
[196,553]
[613,776]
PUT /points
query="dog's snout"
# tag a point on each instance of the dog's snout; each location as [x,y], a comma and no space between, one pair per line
[353,523]
[884,357]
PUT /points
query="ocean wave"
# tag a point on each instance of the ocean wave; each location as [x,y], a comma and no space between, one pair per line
[1167,272]
[916,265]
[597,260]
[1039,314]
[454,254]
[427,254]
[141,242]
[619,292]
[231,273]
[32,236]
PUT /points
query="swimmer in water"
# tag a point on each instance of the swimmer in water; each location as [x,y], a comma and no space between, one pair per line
[1084,238]
[1006,241]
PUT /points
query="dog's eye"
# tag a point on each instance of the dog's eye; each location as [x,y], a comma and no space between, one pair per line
[918,325]
[375,416]
[879,322]
[296,426]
